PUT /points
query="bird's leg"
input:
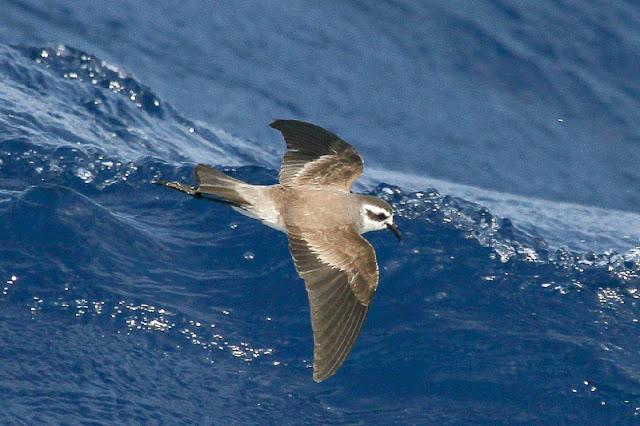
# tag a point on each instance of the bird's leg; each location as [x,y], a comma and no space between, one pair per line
[190,190]
[178,186]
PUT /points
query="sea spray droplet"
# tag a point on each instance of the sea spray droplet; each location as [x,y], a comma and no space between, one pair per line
[249,255]
[84,174]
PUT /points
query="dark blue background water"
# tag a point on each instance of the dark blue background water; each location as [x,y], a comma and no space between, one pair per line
[505,134]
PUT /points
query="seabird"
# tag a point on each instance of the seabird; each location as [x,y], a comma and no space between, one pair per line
[324,221]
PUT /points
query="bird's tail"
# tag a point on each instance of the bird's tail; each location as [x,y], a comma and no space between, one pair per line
[217,184]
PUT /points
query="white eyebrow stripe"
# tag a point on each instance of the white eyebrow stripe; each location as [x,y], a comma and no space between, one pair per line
[376,209]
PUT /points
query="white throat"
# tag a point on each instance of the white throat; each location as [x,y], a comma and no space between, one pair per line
[374,218]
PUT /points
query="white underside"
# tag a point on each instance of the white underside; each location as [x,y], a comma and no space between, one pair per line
[267,219]
[262,209]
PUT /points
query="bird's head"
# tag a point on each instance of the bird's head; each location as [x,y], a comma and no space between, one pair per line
[376,214]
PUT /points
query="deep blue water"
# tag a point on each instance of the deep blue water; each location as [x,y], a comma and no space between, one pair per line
[505,135]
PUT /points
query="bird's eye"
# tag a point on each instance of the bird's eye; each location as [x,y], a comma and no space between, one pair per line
[382,216]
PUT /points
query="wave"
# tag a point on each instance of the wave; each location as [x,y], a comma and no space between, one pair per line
[88,246]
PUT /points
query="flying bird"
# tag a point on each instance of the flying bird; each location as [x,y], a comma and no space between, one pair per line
[324,221]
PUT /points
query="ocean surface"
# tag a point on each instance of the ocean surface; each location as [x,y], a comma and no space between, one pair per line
[505,134]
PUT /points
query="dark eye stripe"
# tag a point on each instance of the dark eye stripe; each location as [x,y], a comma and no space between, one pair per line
[376,217]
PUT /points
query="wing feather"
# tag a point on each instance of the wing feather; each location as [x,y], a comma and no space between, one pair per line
[341,275]
[316,156]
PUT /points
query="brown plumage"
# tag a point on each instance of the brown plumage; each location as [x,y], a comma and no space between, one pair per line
[324,221]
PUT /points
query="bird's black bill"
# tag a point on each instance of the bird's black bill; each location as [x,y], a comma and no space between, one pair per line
[394,228]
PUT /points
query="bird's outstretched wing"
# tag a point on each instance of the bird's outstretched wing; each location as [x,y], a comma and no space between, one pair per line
[316,156]
[340,271]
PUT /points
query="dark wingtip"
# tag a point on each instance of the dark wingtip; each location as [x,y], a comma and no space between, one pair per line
[321,377]
[280,124]
[277,124]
